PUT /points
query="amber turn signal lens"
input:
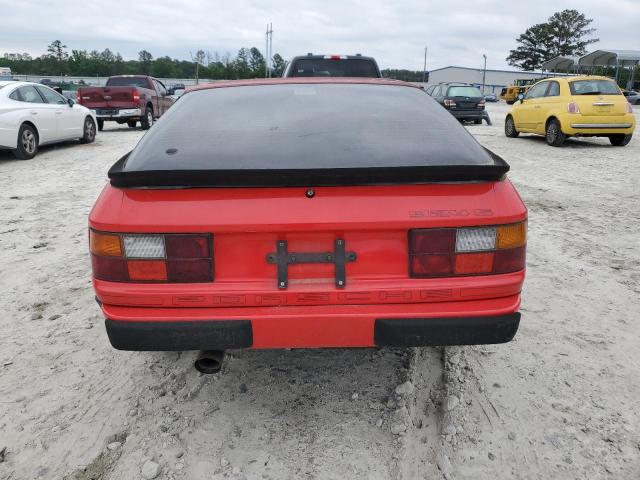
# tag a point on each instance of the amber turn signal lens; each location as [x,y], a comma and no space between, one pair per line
[104,244]
[511,236]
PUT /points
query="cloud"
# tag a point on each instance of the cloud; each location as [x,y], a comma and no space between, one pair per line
[456,32]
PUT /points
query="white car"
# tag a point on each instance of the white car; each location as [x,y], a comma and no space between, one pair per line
[32,115]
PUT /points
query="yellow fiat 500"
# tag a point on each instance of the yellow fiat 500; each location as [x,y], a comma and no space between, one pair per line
[559,108]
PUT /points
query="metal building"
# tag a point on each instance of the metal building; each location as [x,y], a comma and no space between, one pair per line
[495,80]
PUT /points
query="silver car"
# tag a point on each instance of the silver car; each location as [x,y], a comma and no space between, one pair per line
[632,97]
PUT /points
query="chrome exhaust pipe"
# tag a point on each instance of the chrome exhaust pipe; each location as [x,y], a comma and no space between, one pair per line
[209,361]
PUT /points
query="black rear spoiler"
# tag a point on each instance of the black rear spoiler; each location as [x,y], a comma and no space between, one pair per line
[306,177]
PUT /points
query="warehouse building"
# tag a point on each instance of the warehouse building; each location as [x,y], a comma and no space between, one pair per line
[495,80]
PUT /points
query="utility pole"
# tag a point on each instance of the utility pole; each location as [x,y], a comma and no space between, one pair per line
[268,50]
[424,66]
[484,72]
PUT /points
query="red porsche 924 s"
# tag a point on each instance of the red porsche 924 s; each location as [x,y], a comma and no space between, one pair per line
[307,213]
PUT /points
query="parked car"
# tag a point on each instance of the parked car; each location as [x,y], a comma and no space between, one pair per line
[177,93]
[490,97]
[127,99]
[332,66]
[585,106]
[32,115]
[632,97]
[464,101]
[176,86]
[307,213]
[5,74]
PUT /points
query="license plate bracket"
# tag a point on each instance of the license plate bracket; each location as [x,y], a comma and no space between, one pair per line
[283,258]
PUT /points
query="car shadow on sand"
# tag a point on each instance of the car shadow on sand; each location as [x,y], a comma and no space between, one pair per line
[6,156]
[573,142]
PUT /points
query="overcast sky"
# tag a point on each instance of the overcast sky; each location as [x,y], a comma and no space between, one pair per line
[395,31]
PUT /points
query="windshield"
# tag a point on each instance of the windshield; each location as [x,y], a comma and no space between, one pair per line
[324,67]
[463,92]
[594,87]
[128,82]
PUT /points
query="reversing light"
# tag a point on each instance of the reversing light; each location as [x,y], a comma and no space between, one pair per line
[473,239]
[144,246]
[449,252]
[572,107]
[168,258]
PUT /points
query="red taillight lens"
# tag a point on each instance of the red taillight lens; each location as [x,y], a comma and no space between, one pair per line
[473,263]
[433,241]
[136,96]
[187,246]
[511,260]
[112,269]
[78,97]
[147,270]
[168,258]
[449,103]
[190,270]
[449,252]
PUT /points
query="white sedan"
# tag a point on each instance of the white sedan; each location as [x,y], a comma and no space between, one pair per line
[32,115]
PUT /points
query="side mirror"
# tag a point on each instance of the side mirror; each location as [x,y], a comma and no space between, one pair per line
[71,102]
[521,97]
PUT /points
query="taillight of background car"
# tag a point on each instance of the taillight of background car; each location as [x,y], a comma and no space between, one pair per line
[164,258]
[450,252]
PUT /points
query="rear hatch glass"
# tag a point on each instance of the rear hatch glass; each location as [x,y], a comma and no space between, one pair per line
[325,67]
[465,97]
[598,97]
[306,134]
[140,82]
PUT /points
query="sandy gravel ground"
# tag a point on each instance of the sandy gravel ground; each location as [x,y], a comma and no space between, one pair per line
[560,402]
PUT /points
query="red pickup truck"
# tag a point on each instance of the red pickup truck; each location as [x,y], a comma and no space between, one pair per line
[127,99]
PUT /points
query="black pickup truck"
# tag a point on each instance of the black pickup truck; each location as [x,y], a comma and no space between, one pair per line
[127,99]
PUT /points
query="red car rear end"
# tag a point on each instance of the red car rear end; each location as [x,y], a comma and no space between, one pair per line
[308,213]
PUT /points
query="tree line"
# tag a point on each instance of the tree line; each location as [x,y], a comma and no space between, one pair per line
[247,63]
[58,60]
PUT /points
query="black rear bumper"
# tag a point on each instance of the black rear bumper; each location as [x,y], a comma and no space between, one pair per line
[234,334]
[418,332]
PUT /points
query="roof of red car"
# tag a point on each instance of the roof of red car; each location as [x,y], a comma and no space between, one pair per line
[300,80]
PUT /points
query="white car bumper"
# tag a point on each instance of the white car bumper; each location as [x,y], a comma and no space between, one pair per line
[8,137]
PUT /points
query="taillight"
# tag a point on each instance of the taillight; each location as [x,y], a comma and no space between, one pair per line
[78,97]
[572,107]
[451,252]
[335,57]
[168,258]
[629,108]
[449,103]
[136,96]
